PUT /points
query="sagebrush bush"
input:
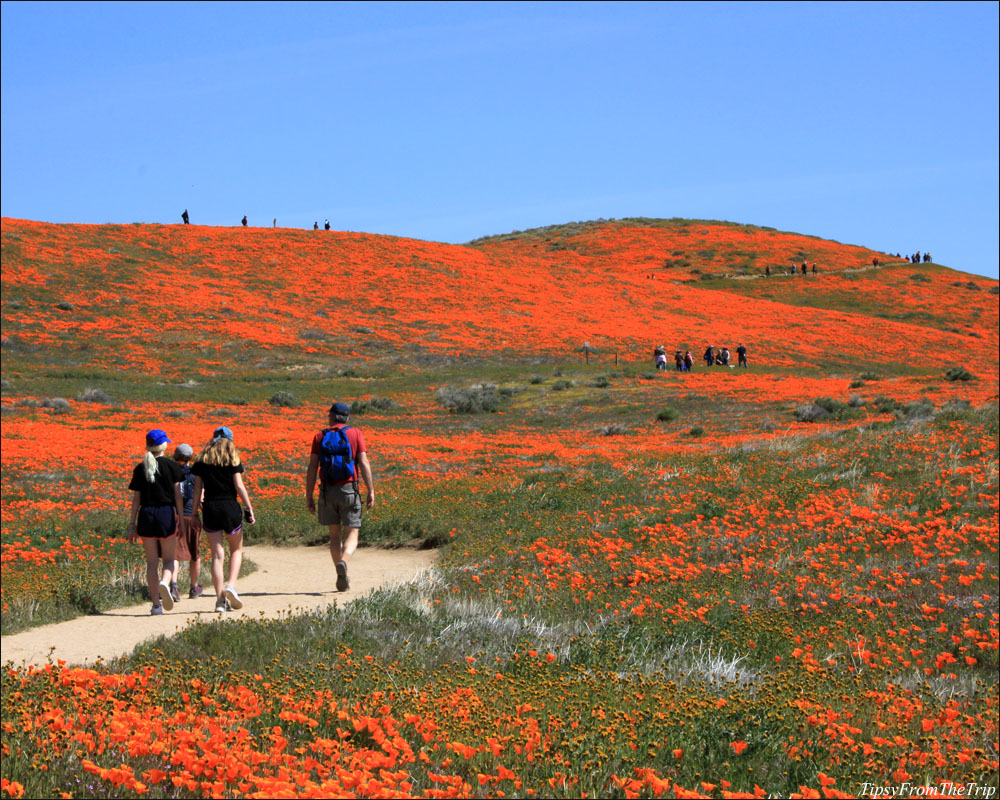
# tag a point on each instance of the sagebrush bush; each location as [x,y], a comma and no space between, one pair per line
[667,414]
[283,399]
[959,374]
[359,407]
[93,396]
[810,412]
[472,400]
[612,430]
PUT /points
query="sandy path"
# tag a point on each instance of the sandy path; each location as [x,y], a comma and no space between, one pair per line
[287,578]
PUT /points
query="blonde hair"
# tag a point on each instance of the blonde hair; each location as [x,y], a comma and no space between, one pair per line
[149,460]
[220,452]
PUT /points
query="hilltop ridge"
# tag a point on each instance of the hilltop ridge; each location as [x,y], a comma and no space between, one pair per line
[621,285]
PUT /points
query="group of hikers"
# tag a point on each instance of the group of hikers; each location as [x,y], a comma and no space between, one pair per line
[713,356]
[186,218]
[168,494]
[785,271]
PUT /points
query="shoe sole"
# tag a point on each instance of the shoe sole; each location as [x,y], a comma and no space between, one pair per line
[165,599]
[233,599]
[343,582]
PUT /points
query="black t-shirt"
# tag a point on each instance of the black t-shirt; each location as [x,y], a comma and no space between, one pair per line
[218,481]
[161,491]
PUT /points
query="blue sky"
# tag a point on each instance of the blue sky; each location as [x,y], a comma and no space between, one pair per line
[872,124]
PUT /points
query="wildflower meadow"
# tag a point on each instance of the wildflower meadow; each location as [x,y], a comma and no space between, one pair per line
[777,580]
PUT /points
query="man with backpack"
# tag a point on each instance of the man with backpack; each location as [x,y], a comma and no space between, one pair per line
[338,453]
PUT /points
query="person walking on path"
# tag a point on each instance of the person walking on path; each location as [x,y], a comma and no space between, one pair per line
[156,512]
[189,535]
[337,454]
[218,481]
[688,361]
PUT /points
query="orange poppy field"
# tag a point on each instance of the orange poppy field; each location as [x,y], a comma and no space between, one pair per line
[772,580]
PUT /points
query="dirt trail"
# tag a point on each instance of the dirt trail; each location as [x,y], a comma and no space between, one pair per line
[287,578]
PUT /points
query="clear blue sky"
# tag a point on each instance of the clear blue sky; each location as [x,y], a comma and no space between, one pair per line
[872,124]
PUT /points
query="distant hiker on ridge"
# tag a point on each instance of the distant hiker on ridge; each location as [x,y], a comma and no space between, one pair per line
[316,226]
[244,220]
[185,217]
[337,453]
[326,225]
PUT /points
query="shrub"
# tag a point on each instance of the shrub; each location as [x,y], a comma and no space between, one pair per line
[58,405]
[835,407]
[667,414]
[886,405]
[534,380]
[810,412]
[64,306]
[959,374]
[995,290]
[918,277]
[696,430]
[473,400]
[601,382]
[856,384]
[283,399]
[869,376]
[919,409]
[855,401]
[93,396]
[559,386]
[372,403]
[612,430]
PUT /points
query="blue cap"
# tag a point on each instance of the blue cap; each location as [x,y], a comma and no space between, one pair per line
[156,437]
[222,433]
[340,409]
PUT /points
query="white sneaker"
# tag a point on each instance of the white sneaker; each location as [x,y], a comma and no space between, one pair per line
[233,598]
[221,607]
[166,599]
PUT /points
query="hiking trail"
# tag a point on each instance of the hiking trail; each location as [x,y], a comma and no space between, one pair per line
[287,579]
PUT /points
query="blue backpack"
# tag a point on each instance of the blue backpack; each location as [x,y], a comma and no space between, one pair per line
[336,461]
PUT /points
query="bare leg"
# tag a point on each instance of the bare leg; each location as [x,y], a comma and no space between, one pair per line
[168,547]
[342,545]
[218,557]
[235,556]
[152,548]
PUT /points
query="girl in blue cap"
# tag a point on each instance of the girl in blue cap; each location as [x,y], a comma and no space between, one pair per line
[157,508]
[218,481]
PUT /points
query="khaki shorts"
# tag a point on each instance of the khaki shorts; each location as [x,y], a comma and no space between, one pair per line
[339,505]
[189,541]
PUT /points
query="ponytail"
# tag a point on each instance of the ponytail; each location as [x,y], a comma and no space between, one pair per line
[149,461]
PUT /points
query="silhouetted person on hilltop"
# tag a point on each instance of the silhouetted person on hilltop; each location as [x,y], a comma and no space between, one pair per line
[326,225]
[316,226]
[927,258]
[244,220]
[185,217]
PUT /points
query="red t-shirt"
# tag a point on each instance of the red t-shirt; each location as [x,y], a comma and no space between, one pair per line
[354,437]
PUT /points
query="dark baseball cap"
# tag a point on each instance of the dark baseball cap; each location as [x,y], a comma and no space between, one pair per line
[340,409]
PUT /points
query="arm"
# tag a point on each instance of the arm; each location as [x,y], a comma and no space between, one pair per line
[311,481]
[366,474]
[133,516]
[196,493]
[179,503]
[241,490]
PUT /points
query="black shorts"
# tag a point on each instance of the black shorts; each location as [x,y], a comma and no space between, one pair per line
[225,515]
[155,522]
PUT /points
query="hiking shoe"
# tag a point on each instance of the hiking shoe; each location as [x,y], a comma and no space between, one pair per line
[343,582]
[156,611]
[166,599]
[175,593]
[196,591]
[221,607]
[233,598]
